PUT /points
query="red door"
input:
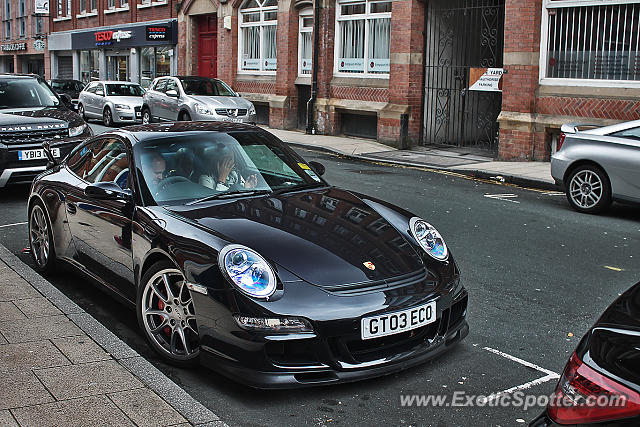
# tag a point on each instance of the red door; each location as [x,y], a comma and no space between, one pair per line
[208,46]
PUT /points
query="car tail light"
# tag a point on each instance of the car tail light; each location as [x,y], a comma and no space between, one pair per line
[561,141]
[586,396]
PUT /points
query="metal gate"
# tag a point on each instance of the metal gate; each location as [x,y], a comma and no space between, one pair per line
[462,34]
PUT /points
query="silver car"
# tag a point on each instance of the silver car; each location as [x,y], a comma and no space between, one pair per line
[194,98]
[598,166]
[113,102]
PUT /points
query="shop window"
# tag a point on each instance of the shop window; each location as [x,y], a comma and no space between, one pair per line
[599,41]
[154,62]
[363,37]
[257,41]
[89,66]
[305,44]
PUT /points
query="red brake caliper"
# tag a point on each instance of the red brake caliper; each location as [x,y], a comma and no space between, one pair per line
[166,329]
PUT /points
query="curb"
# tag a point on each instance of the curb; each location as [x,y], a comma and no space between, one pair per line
[196,413]
[474,173]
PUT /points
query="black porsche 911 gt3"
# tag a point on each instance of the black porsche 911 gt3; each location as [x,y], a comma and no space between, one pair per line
[238,255]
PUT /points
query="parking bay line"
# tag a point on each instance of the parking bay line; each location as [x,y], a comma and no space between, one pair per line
[12,225]
[550,375]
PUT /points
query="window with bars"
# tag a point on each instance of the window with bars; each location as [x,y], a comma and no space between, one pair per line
[305,44]
[599,40]
[363,37]
[257,41]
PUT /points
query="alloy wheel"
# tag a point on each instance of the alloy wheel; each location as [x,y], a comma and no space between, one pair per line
[586,189]
[81,111]
[168,315]
[146,117]
[106,117]
[39,236]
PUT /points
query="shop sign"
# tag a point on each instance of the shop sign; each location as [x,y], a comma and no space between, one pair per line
[486,79]
[39,45]
[158,32]
[105,38]
[379,65]
[14,46]
[41,7]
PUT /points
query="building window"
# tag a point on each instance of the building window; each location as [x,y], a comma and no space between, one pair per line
[305,44]
[83,6]
[597,41]
[22,27]
[7,20]
[363,37]
[38,25]
[257,44]
[111,4]
[94,5]
[124,3]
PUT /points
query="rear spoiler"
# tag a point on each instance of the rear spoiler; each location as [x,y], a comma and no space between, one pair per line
[577,127]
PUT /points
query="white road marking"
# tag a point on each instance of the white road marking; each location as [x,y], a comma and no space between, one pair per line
[550,375]
[503,197]
[553,193]
[12,225]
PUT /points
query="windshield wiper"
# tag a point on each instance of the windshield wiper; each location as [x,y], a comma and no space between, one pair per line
[228,195]
[298,188]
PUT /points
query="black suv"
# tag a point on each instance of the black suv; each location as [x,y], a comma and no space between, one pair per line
[30,114]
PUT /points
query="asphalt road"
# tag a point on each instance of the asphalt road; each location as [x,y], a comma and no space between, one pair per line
[538,274]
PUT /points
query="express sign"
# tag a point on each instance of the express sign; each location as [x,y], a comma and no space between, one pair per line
[107,37]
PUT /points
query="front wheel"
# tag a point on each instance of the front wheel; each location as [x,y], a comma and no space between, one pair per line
[588,189]
[107,117]
[146,116]
[81,112]
[166,315]
[41,239]
[185,117]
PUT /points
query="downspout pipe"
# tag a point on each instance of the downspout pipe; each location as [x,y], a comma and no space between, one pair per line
[314,67]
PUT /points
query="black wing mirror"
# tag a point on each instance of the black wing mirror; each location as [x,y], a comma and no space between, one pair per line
[106,191]
[52,162]
[318,167]
[66,100]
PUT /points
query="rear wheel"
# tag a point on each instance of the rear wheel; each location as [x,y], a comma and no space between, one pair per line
[41,239]
[166,315]
[588,189]
[107,117]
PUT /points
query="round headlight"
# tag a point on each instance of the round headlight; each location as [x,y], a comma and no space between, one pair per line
[429,238]
[248,271]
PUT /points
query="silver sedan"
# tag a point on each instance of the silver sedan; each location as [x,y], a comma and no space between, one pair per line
[111,101]
[195,98]
[598,166]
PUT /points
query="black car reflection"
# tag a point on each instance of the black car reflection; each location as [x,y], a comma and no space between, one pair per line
[238,255]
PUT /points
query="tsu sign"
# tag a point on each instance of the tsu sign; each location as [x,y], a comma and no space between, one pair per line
[41,7]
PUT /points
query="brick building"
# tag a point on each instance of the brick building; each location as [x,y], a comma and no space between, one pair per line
[23,35]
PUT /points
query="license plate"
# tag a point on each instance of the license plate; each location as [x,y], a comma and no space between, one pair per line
[399,321]
[36,154]
[235,120]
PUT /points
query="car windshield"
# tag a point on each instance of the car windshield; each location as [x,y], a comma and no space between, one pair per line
[26,93]
[206,87]
[197,166]
[123,90]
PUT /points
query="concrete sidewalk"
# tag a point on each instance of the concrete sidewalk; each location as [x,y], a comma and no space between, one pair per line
[536,174]
[60,367]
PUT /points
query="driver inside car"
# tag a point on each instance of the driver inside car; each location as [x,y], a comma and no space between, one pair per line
[224,174]
[153,167]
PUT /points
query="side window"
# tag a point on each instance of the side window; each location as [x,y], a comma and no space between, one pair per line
[109,163]
[161,85]
[633,133]
[91,88]
[79,159]
[171,85]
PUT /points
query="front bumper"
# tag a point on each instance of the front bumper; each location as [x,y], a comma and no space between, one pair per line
[249,118]
[333,353]
[128,116]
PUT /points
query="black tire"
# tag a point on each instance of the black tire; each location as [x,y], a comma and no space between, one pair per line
[107,117]
[174,312]
[41,245]
[185,117]
[588,189]
[146,116]
[81,112]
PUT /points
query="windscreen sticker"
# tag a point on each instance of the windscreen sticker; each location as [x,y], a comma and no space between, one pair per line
[304,166]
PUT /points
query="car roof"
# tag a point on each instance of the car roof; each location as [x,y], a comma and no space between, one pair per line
[141,133]
[114,82]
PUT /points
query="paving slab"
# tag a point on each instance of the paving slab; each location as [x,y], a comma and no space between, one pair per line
[7,420]
[68,382]
[22,388]
[81,349]
[37,307]
[9,311]
[145,408]
[14,287]
[31,355]
[97,411]
[38,329]
[2,340]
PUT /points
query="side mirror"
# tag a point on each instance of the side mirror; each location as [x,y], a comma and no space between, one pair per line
[66,100]
[172,93]
[318,167]
[100,93]
[106,191]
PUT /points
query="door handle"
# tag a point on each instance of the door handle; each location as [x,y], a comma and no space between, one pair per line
[72,208]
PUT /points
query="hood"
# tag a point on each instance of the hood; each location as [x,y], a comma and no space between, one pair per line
[40,116]
[323,236]
[614,341]
[134,101]
[222,101]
